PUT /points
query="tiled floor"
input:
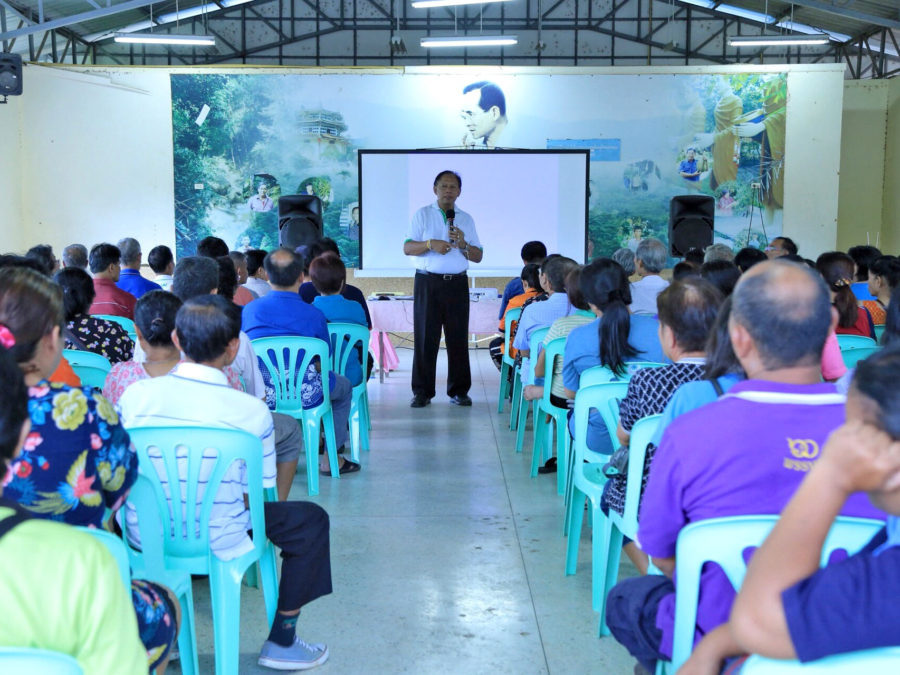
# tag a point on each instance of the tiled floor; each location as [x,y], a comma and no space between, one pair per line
[447,557]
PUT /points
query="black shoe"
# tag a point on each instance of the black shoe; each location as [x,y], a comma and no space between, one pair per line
[419,401]
[461,400]
[549,467]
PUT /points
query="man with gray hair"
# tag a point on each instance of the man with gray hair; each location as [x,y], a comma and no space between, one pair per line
[130,279]
[716,252]
[649,261]
[75,255]
[744,453]
[625,257]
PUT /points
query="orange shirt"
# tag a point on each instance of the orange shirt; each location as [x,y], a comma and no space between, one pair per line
[876,309]
[514,302]
[65,374]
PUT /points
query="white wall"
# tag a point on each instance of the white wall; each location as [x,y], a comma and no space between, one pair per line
[12,236]
[96,162]
[96,153]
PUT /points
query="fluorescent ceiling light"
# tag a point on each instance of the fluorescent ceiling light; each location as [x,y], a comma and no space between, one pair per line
[776,40]
[166,39]
[745,13]
[470,41]
[427,4]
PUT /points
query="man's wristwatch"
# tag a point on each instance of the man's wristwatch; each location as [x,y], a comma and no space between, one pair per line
[428,244]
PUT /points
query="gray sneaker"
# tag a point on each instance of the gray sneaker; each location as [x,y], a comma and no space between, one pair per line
[298,656]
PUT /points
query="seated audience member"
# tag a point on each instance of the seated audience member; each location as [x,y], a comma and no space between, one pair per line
[531,283]
[91,619]
[75,255]
[283,313]
[694,256]
[789,607]
[716,252]
[687,312]
[154,321]
[42,254]
[541,314]
[748,257]
[83,331]
[240,266]
[78,459]
[837,269]
[257,280]
[162,262]
[109,298]
[308,290]
[213,247]
[781,246]
[722,274]
[625,257]
[863,256]
[884,277]
[130,278]
[207,331]
[328,275]
[649,261]
[891,334]
[684,269]
[612,340]
[533,252]
[719,460]
[228,278]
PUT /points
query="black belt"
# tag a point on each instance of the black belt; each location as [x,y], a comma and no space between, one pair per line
[445,277]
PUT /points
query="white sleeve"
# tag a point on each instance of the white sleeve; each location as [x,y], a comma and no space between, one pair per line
[416,229]
[246,365]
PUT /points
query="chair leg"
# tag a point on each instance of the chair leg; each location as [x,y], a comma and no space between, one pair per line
[355,432]
[225,597]
[311,445]
[562,454]
[570,488]
[613,557]
[331,444]
[523,421]
[504,386]
[599,549]
[187,641]
[538,442]
[516,401]
[576,517]
[268,572]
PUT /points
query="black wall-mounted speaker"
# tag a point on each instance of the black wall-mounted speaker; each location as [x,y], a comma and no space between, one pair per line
[691,219]
[299,220]
[10,74]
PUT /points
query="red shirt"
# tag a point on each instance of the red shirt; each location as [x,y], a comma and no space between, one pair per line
[110,299]
[863,325]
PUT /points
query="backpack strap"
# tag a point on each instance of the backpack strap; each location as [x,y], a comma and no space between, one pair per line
[717,387]
[19,515]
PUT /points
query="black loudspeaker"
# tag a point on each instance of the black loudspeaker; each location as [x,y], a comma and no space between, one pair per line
[10,74]
[299,220]
[690,223]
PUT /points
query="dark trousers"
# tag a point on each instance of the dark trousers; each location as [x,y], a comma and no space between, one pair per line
[631,616]
[441,302]
[300,530]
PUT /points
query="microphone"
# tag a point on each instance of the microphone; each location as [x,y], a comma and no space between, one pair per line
[451,214]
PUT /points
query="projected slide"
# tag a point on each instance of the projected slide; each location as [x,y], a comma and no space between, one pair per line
[514,197]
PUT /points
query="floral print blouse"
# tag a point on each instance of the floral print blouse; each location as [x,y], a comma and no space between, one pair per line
[100,336]
[77,460]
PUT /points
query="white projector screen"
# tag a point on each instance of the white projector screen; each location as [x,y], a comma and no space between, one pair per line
[514,196]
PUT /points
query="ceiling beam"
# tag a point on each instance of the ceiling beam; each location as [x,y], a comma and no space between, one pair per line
[847,12]
[76,18]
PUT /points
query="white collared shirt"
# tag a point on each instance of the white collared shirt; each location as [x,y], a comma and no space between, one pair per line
[429,223]
[644,292]
[197,395]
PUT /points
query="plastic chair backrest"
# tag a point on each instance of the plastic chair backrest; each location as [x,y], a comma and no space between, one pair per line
[853,355]
[853,341]
[116,548]
[600,374]
[594,397]
[190,457]
[723,541]
[535,346]
[511,318]
[28,661]
[91,368]
[879,331]
[884,661]
[552,351]
[641,433]
[125,322]
[345,337]
[287,359]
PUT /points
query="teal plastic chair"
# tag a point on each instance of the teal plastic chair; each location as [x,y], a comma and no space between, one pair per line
[618,525]
[91,368]
[600,374]
[28,661]
[853,355]
[535,344]
[542,445]
[187,455]
[116,549]
[286,359]
[126,323]
[884,661]
[879,331]
[346,338]
[723,541]
[507,363]
[854,341]
[588,480]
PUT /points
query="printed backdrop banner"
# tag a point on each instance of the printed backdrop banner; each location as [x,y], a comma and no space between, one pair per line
[242,141]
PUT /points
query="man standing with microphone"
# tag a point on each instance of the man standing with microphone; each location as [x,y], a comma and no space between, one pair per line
[442,242]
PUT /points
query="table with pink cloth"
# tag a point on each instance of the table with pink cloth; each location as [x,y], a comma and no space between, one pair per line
[396,316]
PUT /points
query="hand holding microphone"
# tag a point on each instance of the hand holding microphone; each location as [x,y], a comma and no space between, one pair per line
[455,234]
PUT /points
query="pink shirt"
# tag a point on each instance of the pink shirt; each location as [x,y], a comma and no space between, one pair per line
[832,362]
[128,372]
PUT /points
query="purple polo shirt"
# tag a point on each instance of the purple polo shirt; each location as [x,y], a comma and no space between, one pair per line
[744,454]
